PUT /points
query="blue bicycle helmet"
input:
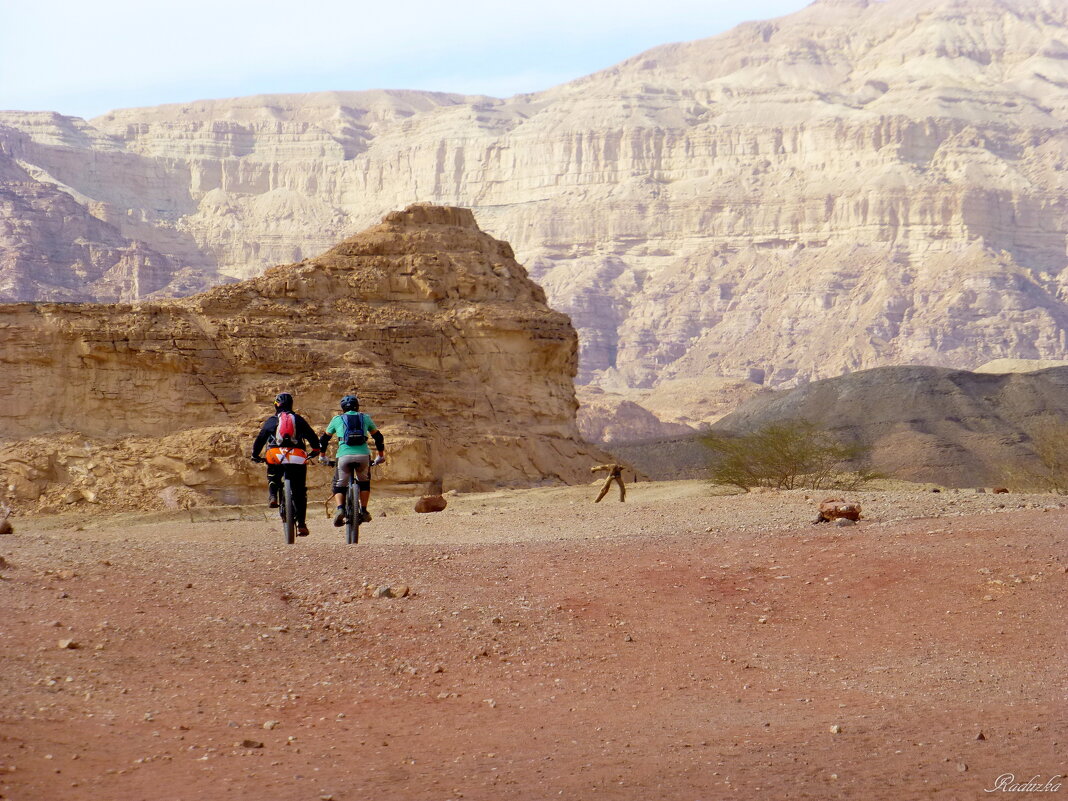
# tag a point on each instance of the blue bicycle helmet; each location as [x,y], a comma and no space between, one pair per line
[350,403]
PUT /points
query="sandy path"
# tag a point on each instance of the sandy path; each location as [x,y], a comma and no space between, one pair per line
[548,650]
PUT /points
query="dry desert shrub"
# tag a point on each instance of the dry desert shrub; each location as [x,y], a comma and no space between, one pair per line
[786,455]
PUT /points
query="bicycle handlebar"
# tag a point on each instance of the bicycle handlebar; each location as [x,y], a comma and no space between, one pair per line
[326,462]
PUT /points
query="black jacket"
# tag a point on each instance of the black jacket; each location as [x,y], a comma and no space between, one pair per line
[306,437]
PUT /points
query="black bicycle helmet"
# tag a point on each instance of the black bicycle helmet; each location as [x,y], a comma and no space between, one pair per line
[350,403]
[283,402]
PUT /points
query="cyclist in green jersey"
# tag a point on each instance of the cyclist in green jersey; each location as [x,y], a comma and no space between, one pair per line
[352,427]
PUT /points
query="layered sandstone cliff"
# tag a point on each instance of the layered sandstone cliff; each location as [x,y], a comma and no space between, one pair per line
[860,183]
[436,326]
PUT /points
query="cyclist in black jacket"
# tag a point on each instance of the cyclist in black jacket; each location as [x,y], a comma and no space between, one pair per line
[304,438]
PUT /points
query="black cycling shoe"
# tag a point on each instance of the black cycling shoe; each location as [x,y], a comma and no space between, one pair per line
[272,501]
[339,518]
[365,516]
[302,530]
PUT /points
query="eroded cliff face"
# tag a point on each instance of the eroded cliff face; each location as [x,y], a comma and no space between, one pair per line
[433,323]
[857,184]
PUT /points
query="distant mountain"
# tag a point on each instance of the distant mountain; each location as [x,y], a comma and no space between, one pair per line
[951,427]
[854,185]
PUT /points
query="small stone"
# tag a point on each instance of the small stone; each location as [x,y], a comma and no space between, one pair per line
[270,724]
[251,744]
[980,736]
[69,644]
[844,521]
[762,620]
[836,729]
[380,592]
[962,767]
[628,638]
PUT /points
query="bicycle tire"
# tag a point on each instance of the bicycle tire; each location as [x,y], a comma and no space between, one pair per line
[289,512]
[352,514]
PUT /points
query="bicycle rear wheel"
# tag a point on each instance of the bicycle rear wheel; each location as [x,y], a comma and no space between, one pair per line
[352,514]
[289,512]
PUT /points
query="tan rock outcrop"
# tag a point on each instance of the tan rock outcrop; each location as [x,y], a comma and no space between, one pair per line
[857,184]
[1002,366]
[606,418]
[436,326]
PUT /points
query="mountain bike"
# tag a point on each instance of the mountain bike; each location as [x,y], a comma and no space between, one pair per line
[353,508]
[287,508]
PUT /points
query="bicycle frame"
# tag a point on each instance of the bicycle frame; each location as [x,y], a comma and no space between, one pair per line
[353,507]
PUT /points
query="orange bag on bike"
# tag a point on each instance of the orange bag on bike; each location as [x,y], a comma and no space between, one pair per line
[286,456]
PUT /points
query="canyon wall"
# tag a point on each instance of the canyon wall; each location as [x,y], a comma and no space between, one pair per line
[857,184]
[433,323]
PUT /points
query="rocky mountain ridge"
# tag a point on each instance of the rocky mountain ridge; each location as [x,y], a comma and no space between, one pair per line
[446,340]
[929,424]
[857,184]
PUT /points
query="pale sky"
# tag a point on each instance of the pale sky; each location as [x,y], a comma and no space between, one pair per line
[84,58]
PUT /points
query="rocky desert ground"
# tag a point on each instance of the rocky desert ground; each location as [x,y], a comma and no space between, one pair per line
[682,645]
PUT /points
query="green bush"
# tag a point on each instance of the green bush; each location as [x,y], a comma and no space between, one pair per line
[786,455]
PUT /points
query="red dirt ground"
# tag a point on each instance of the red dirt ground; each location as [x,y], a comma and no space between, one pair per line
[660,664]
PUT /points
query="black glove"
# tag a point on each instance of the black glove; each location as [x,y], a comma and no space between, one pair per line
[257,459]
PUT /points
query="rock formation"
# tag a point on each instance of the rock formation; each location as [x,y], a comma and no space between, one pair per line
[607,417]
[951,427]
[857,184]
[999,366]
[448,343]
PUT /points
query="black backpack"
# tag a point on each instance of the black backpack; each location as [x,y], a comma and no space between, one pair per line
[355,434]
